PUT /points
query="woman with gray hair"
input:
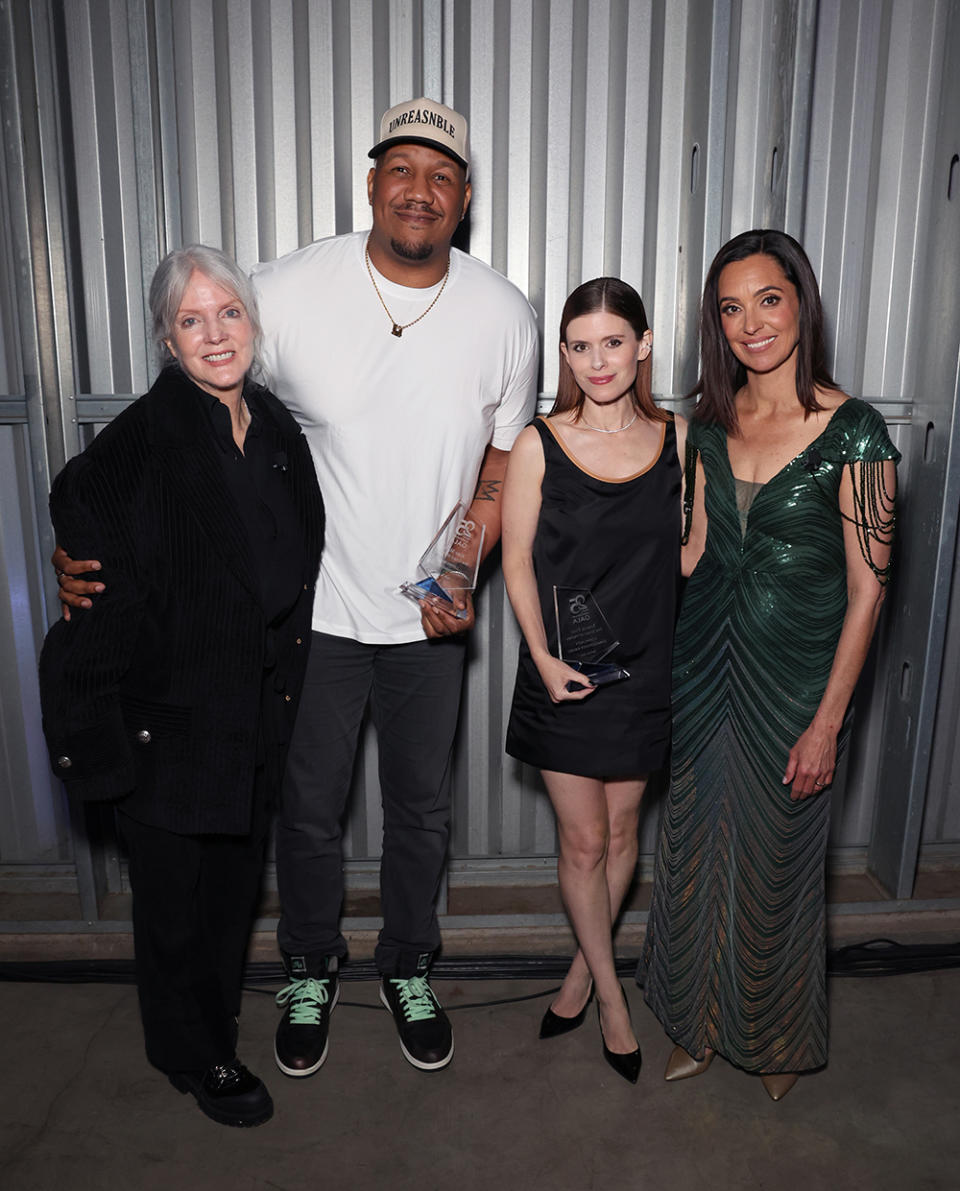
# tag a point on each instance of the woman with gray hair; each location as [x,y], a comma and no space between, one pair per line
[174,693]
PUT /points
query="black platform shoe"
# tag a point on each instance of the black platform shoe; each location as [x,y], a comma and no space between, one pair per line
[228,1093]
[553,1025]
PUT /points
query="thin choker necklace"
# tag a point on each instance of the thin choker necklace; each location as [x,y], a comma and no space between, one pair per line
[399,328]
[600,429]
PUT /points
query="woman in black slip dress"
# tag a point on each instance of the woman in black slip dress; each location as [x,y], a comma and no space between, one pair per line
[592,502]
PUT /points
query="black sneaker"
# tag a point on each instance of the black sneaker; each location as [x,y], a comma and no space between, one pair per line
[425,1035]
[229,1094]
[302,1038]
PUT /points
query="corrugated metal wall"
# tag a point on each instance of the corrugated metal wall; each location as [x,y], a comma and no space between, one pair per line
[617,136]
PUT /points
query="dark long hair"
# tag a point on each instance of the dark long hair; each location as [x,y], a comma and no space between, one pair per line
[721,373]
[614,296]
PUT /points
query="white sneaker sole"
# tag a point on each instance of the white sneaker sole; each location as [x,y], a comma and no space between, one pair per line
[418,1063]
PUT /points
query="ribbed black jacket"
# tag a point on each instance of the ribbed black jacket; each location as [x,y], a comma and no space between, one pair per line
[158,687]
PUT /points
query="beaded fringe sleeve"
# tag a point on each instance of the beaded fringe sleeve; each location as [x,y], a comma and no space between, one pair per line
[874,506]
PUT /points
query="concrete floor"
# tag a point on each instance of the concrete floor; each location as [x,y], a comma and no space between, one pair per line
[80,1109]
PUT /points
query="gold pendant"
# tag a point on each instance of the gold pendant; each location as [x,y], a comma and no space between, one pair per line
[397,330]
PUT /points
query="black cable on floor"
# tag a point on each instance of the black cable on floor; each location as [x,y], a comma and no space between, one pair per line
[884,957]
[876,957]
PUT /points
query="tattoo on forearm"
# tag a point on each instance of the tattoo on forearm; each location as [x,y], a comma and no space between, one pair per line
[488,490]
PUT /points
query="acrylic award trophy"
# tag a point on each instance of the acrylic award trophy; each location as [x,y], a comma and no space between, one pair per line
[450,563]
[584,639]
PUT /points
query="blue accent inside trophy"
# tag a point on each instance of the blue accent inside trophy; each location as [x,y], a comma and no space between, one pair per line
[450,563]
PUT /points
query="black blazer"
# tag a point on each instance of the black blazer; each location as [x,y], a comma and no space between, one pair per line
[158,687]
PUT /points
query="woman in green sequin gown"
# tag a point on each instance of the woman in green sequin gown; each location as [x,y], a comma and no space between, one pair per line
[797,482]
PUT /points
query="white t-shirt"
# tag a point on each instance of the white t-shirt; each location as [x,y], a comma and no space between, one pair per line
[397,426]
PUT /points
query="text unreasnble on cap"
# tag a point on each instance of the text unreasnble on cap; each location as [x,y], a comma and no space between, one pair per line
[425,122]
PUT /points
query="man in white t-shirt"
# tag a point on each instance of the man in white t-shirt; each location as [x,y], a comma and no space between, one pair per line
[411,367]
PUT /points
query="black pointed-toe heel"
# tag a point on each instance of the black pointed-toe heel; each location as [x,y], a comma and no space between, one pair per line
[553,1025]
[626,1065]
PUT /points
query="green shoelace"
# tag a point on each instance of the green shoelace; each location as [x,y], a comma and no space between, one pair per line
[306,999]
[416,998]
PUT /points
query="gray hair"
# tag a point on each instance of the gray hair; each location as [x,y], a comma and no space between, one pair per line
[173,275]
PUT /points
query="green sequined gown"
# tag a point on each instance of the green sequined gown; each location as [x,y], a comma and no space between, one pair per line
[735,952]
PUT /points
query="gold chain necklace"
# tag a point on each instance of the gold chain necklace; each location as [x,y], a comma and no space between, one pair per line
[399,328]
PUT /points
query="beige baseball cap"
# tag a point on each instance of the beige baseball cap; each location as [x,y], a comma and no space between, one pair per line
[424,122]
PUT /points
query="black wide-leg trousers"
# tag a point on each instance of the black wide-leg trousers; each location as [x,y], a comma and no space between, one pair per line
[194,898]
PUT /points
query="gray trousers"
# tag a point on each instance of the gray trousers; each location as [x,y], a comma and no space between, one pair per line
[413,691]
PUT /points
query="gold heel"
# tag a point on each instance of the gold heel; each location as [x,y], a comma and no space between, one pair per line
[777,1086]
[681,1065]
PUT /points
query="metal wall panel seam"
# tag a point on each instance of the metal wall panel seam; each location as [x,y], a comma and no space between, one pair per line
[617,68]
[905,178]
[480,116]
[148,187]
[11,177]
[199,120]
[129,350]
[95,321]
[365,107]
[499,165]
[557,266]
[816,228]
[598,82]
[341,164]
[47,334]
[799,118]
[322,161]
[577,147]
[760,115]
[303,158]
[457,77]
[250,224]
[282,149]
[691,200]
[20,295]
[406,76]
[535,160]
[169,149]
[518,139]
[941,818]
[849,271]
[432,31]
[670,176]
[30,827]
[636,223]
